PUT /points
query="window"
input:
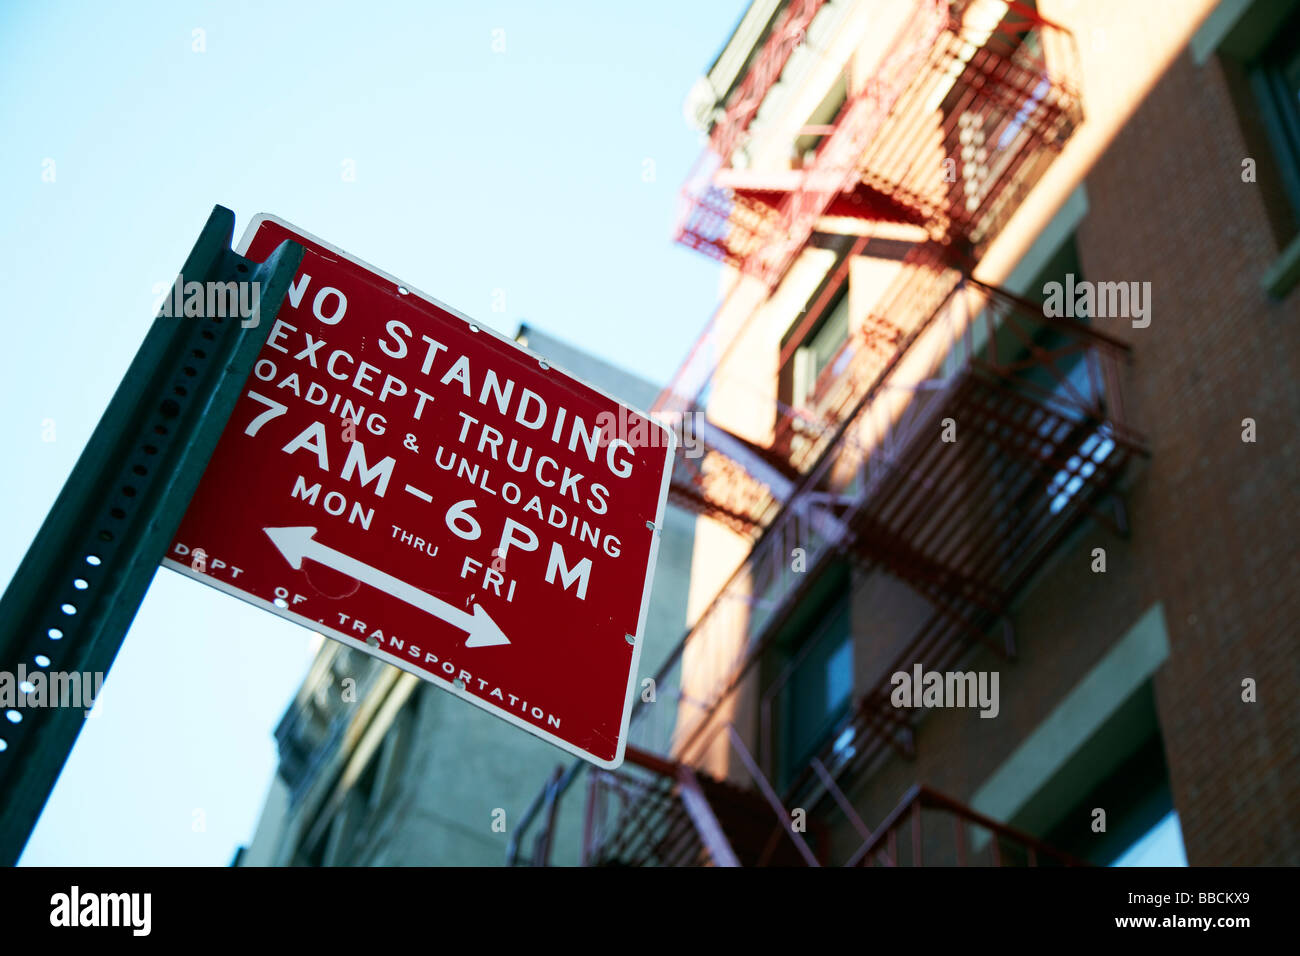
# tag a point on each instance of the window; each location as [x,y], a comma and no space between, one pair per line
[1162,845]
[819,688]
[1064,393]
[1275,78]
[1032,42]
[1121,770]
[1258,48]
[1094,449]
[1065,396]
[823,344]
[821,123]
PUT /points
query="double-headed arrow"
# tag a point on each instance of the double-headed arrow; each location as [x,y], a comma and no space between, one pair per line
[298,543]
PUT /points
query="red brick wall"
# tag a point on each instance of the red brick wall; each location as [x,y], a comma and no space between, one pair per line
[1215,521]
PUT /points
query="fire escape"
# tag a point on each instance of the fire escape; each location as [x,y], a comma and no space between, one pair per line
[957,124]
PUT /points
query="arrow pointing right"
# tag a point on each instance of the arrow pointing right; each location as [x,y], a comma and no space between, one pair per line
[300,542]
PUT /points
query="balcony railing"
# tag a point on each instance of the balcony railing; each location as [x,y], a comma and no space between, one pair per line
[761,230]
[884,478]
[959,121]
[1042,438]
[664,817]
[1042,434]
[924,282]
[902,840]
[786,34]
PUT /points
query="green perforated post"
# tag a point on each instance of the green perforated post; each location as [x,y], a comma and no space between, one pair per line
[84,576]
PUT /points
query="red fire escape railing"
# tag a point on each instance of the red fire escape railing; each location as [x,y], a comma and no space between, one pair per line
[658,812]
[663,814]
[925,280]
[760,228]
[725,477]
[858,474]
[742,485]
[966,525]
[1002,845]
[957,123]
[786,34]
[1042,439]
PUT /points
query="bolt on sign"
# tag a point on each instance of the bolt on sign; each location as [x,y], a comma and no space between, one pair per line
[427,491]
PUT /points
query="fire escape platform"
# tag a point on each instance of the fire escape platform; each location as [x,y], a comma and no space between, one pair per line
[961,488]
[639,819]
[959,121]
[979,96]
[966,523]
[989,465]
[643,819]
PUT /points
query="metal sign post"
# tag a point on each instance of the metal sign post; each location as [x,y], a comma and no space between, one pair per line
[77,590]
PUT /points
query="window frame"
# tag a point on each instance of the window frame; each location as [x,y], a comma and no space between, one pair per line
[1279,105]
[807,627]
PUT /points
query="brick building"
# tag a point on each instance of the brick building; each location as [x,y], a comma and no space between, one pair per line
[1002,383]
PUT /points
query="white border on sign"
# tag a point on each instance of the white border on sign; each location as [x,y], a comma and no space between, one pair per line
[397,661]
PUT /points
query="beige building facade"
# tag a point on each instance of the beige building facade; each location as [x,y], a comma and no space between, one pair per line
[1008,309]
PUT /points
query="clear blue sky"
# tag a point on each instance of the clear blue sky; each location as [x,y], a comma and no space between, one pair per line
[523,171]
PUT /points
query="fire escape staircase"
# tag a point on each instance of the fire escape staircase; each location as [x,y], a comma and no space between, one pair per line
[1041,439]
[669,814]
[953,86]
[958,122]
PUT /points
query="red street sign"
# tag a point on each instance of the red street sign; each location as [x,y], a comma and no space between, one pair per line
[425,490]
